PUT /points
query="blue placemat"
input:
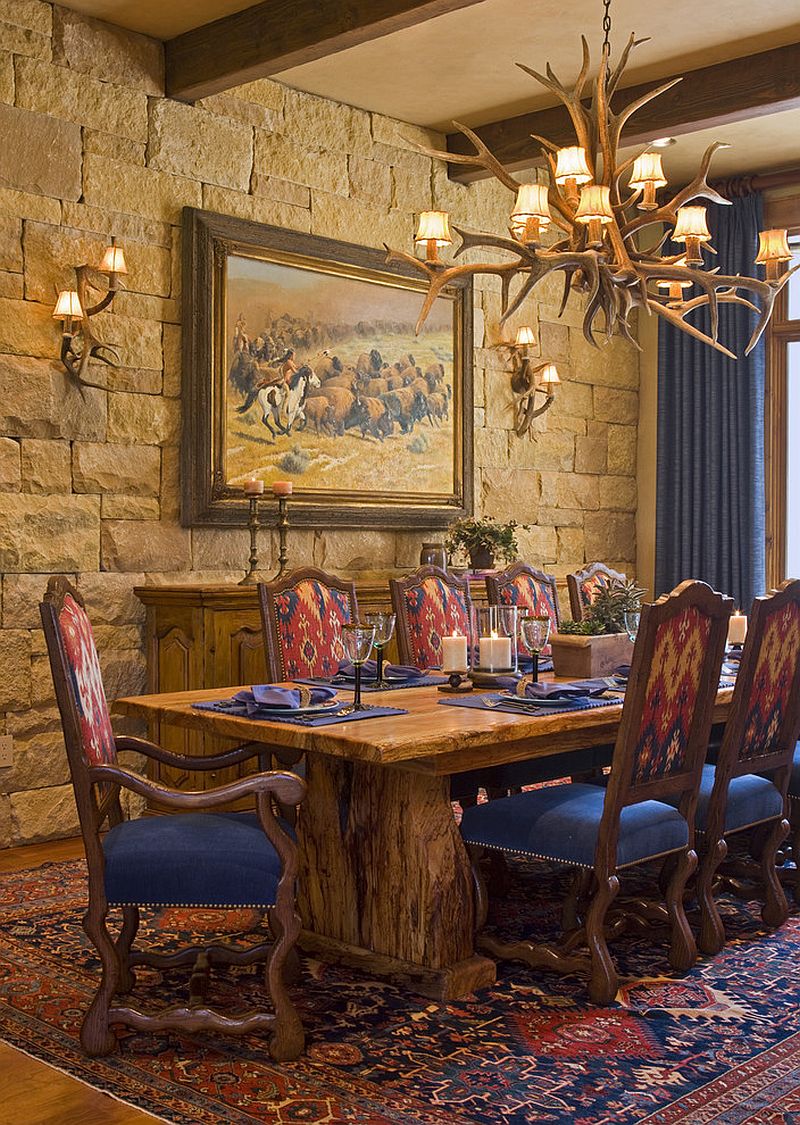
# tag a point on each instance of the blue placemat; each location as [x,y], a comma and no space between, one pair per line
[348,685]
[525,664]
[486,703]
[223,707]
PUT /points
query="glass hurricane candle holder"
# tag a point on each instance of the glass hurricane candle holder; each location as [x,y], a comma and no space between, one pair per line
[383,624]
[357,641]
[494,639]
[534,633]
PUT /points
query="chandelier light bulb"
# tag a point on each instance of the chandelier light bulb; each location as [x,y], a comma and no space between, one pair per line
[692,229]
[531,214]
[647,176]
[773,248]
[433,229]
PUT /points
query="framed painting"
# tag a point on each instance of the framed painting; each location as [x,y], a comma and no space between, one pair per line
[301,363]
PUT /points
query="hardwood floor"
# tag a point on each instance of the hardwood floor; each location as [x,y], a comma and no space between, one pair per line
[31,1092]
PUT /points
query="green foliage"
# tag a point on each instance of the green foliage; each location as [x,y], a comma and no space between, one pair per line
[607,612]
[472,534]
[296,461]
[418,444]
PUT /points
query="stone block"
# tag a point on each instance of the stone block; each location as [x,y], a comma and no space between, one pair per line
[46,466]
[538,545]
[510,494]
[39,763]
[10,466]
[612,405]
[173,360]
[49,534]
[21,596]
[33,721]
[129,507]
[12,285]
[6,834]
[618,493]
[577,490]
[111,147]
[401,134]
[263,92]
[241,111]
[24,42]
[37,399]
[571,546]
[300,163]
[591,451]
[139,191]
[110,599]
[41,153]
[370,180]
[34,15]
[170,483]
[328,124]
[610,535]
[136,341]
[144,306]
[354,550]
[24,205]
[10,244]
[108,52]
[146,419]
[68,96]
[258,209]
[132,470]
[191,142]
[554,341]
[6,77]
[52,251]
[226,548]
[124,672]
[491,449]
[44,814]
[15,668]
[353,221]
[127,228]
[622,450]
[410,192]
[613,363]
[549,451]
[28,329]
[145,545]
[573,399]
[282,191]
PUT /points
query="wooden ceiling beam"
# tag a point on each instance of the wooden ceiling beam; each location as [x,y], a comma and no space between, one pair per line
[279,34]
[768,82]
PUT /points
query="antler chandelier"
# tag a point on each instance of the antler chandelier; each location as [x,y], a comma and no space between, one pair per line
[603,223]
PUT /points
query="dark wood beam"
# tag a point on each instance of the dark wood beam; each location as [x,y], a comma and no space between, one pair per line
[278,34]
[713,95]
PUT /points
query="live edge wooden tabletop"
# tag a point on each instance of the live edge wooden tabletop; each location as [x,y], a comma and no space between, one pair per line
[385,884]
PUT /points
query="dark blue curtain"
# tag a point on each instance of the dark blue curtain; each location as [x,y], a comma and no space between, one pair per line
[710,483]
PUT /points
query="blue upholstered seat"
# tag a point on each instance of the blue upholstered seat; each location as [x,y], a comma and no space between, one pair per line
[196,859]
[751,799]
[561,823]
[794,781]
[531,771]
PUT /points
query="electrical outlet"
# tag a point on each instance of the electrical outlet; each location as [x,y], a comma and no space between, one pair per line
[6,751]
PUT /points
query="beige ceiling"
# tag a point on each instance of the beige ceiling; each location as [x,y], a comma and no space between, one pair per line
[461,65]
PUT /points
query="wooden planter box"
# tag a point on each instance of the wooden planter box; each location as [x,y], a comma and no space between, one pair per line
[582,657]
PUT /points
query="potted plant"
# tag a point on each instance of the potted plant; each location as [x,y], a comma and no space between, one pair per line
[484,540]
[600,642]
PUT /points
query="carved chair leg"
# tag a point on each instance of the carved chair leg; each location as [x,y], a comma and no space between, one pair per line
[712,928]
[292,967]
[603,982]
[682,948]
[478,887]
[288,1039]
[127,935]
[776,909]
[666,873]
[575,902]
[96,1036]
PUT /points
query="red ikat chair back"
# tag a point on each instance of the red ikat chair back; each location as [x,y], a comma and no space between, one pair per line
[302,616]
[429,605]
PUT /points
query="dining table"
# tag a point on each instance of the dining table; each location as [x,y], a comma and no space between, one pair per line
[385,882]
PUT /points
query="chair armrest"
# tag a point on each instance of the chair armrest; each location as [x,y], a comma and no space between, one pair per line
[288,788]
[191,761]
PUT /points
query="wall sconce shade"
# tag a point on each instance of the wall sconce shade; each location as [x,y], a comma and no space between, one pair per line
[548,377]
[525,337]
[68,306]
[113,260]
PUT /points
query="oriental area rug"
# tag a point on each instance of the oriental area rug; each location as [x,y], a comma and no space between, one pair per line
[720,1045]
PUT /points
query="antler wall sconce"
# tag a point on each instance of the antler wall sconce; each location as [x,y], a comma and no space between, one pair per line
[79,344]
[533,385]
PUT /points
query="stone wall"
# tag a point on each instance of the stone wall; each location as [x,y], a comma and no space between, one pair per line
[89,482]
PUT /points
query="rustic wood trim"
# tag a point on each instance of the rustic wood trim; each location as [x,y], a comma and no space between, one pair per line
[206,501]
[705,98]
[277,35]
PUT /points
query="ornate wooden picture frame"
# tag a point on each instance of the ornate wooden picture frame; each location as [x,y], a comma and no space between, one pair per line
[300,363]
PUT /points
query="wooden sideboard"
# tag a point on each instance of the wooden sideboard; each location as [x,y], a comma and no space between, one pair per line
[210,636]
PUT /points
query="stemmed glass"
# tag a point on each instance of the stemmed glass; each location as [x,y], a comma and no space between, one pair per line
[632,618]
[357,641]
[534,632]
[383,623]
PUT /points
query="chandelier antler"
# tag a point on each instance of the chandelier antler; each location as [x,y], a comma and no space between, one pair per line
[602,253]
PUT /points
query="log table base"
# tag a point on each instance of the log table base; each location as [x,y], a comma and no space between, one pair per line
[385,880]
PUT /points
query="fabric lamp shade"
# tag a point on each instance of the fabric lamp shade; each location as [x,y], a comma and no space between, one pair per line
[674,284]
[434,226]
[571,165]
[549,376]
[647,170]
[113,260]
[595,203]
[773,246]
[691,224]
[525,337]
[68,306]
[532,203]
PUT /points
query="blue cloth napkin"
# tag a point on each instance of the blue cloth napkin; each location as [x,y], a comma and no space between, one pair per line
[369,671]
[494,702]
[289,699]
[322,719]
[578,689]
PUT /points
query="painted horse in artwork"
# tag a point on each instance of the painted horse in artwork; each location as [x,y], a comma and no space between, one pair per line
[282,403]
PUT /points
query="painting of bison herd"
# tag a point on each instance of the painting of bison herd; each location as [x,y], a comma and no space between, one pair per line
[327,385]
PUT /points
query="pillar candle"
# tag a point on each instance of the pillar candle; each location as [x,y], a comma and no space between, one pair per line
[282,487]
[494,652]
[737,629]
[253,487]
[454,654]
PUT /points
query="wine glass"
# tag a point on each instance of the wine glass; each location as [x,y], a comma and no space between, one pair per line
[383,623]
[632,618]
[534,632]
[357,641]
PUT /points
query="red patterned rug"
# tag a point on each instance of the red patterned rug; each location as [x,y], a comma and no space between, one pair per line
[721,1045]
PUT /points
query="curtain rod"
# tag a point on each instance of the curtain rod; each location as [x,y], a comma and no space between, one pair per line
[744,185]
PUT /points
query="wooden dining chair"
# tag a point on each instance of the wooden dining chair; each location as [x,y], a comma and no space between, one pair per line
[583,584]
[528,588]
[201,859]
[302,615]
[602,831]
[429,604]
[747,786]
